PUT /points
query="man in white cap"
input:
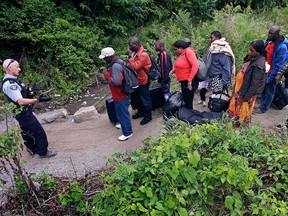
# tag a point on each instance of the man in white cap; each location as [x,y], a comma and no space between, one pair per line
[16,92]
[114,76]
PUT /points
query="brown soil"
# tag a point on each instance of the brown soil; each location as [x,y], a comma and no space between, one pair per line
[86,147]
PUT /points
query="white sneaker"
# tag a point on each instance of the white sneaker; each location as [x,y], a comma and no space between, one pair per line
[200,102]
[123,138]
[118,126]
[204,104]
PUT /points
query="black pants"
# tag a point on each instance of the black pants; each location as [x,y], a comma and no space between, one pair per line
[188,95]
[203,94]
[33,133]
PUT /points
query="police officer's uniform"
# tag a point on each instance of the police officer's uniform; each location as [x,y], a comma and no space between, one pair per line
[32,132]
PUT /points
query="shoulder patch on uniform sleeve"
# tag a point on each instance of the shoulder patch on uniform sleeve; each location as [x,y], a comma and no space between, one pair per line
[13,87]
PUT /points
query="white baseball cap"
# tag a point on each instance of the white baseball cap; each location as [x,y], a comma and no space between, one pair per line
[106,52]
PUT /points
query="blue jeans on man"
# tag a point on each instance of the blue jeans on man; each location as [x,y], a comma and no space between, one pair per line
[123,115]
[267,95]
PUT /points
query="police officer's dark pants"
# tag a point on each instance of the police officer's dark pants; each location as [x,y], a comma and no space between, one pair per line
[33,133]
[188,95]
[146,108]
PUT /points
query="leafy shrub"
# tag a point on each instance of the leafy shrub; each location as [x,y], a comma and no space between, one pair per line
[198,170]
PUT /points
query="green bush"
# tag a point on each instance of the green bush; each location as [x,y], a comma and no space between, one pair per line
[198,170]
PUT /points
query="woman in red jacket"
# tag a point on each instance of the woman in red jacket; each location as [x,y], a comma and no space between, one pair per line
[185,67]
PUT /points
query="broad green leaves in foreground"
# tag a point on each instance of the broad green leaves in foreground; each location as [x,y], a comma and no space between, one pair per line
[201,170]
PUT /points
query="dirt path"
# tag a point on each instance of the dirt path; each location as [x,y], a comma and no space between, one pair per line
[86,147]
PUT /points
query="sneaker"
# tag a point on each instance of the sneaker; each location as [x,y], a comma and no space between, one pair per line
[123,138]
[257,111]
[281,126]
[137,115]
[49,154]
[204,104]
[118,126]
[145,121]
[200,102]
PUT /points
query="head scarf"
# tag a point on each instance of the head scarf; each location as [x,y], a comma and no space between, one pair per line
[259,46]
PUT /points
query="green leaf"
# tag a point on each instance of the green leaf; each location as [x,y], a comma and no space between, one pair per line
[195,158]
[183,212]
[170,203]
[229,201]
[173,173]
[133,207]
[159,206]
[141,207]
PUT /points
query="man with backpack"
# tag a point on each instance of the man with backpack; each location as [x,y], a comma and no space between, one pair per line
[141,63]
[114,76]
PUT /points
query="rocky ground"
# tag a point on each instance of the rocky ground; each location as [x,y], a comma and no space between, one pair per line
[87,146]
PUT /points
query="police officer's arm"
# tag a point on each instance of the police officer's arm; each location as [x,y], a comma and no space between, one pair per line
[13,91]
[26,101]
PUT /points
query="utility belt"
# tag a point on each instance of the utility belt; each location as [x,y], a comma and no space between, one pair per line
[25,112]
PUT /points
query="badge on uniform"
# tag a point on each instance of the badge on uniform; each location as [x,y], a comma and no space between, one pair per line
[13,87]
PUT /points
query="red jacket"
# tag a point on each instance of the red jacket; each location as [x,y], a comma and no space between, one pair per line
[186,65]
[115,78]
[141,63]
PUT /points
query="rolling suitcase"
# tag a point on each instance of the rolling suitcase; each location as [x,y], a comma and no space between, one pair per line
[111,110]
[157,97]
[281,96]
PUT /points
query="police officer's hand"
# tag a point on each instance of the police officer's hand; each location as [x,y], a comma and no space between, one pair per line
[43,98]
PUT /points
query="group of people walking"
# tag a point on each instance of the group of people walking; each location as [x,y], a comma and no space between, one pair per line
[263,67]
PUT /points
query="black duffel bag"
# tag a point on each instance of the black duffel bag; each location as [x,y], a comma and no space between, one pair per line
[219,102]
[281,96]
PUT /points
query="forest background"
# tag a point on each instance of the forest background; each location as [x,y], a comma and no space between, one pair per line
[58,42]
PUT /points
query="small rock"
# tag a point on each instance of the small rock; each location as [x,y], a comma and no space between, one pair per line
[85,114]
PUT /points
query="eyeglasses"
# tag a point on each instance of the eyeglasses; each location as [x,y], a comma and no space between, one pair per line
[11,61]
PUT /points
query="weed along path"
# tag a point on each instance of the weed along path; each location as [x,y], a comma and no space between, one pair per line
[86,147]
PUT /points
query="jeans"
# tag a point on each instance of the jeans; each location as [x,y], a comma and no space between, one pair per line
[188,95]
[267,95]
[146,108]
[123,115]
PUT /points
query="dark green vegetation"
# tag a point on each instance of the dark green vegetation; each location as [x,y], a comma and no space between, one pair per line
[208,169]
[201,170]
[58,42]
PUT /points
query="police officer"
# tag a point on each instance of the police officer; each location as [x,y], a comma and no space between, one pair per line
[32,132]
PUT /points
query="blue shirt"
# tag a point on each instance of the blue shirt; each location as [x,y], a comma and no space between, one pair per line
[221,65]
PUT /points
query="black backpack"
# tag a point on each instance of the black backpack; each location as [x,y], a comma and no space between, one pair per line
[154,72]
[130,81]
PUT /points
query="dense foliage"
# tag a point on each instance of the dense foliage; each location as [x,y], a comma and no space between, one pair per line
[201,170]
[58,42]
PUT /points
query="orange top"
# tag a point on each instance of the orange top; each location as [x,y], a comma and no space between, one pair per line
[141,63]
[186,65]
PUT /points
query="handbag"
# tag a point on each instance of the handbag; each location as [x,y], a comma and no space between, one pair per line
[201,74]
[219,102]
[202,70]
